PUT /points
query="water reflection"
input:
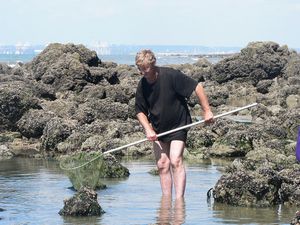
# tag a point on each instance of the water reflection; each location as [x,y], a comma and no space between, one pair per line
[73,220]
[250,215]
[171,214]
[27,166]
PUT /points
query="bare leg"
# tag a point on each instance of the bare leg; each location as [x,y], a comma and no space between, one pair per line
[178,169]
[179,211]
[161,152]
[165,210]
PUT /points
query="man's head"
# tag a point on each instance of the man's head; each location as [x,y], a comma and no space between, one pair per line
[145,60]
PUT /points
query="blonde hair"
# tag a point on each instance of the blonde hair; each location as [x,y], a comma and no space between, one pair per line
[145,57]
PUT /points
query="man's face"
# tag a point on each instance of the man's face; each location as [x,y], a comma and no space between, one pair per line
[146,70]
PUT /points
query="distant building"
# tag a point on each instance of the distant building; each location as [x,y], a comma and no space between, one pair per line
[102,48]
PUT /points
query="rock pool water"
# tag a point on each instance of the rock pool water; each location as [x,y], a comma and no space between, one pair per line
[32,192]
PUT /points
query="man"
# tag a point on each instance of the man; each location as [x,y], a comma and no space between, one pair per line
[161,105]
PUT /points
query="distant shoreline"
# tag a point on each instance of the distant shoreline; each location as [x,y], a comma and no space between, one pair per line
[206,55]
[164,58]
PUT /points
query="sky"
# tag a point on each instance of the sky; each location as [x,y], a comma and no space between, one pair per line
[228,23]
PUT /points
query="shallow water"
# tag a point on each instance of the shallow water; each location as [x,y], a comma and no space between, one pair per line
[32,192]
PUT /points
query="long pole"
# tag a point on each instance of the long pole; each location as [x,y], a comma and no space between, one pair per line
[159,135]
[180,128]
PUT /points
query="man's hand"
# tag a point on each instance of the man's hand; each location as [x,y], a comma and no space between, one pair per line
[208,117]
[151,135]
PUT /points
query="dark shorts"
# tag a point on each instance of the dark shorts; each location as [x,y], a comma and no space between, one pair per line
[179,135]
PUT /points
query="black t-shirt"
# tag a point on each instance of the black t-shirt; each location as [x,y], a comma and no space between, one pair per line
[164,102]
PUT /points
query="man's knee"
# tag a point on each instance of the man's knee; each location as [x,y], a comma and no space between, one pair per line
[177,162]
[163,165]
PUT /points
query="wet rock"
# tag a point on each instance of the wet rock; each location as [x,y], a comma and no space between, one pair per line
[33,122]
[5,153]
[234,143]
[113,169]
[16,97]
[292,68]
[199,138]
[18,70]
[249,188]
[99,136]
[5,69]
[290,188]
[276,131]
[64,67]
[131,109]
[219,97]
[108,64]
[1,210]
[121,94]
[65,106]
[25,148]
[98,75]
[9,136]
[203,63]
[261,113]
[103,109]
[83,203]
[265,178]
[154,172]
[200,71]
[261,154]
[258,61]
[94,92]
[55,131]
[293,101]
[296,219]
[263,86]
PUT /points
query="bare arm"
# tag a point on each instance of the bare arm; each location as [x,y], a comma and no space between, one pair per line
[150,133]
[207,113]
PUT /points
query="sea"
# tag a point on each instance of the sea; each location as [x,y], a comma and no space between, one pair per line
[125,54]
[128,59]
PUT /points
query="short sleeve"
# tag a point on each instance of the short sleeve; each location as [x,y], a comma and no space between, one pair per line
[183,84]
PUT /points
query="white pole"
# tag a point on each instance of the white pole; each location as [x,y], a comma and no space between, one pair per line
[159,135]
[180,128]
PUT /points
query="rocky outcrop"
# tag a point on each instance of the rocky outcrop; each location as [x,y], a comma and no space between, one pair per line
[56,131]
[83,203]
[33,122]
[64,67]
[5,69]
[258,61]
[268,176]
[296,219]
[200,71]
[100,136]
[108,92]
[5,153]
[16,97]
